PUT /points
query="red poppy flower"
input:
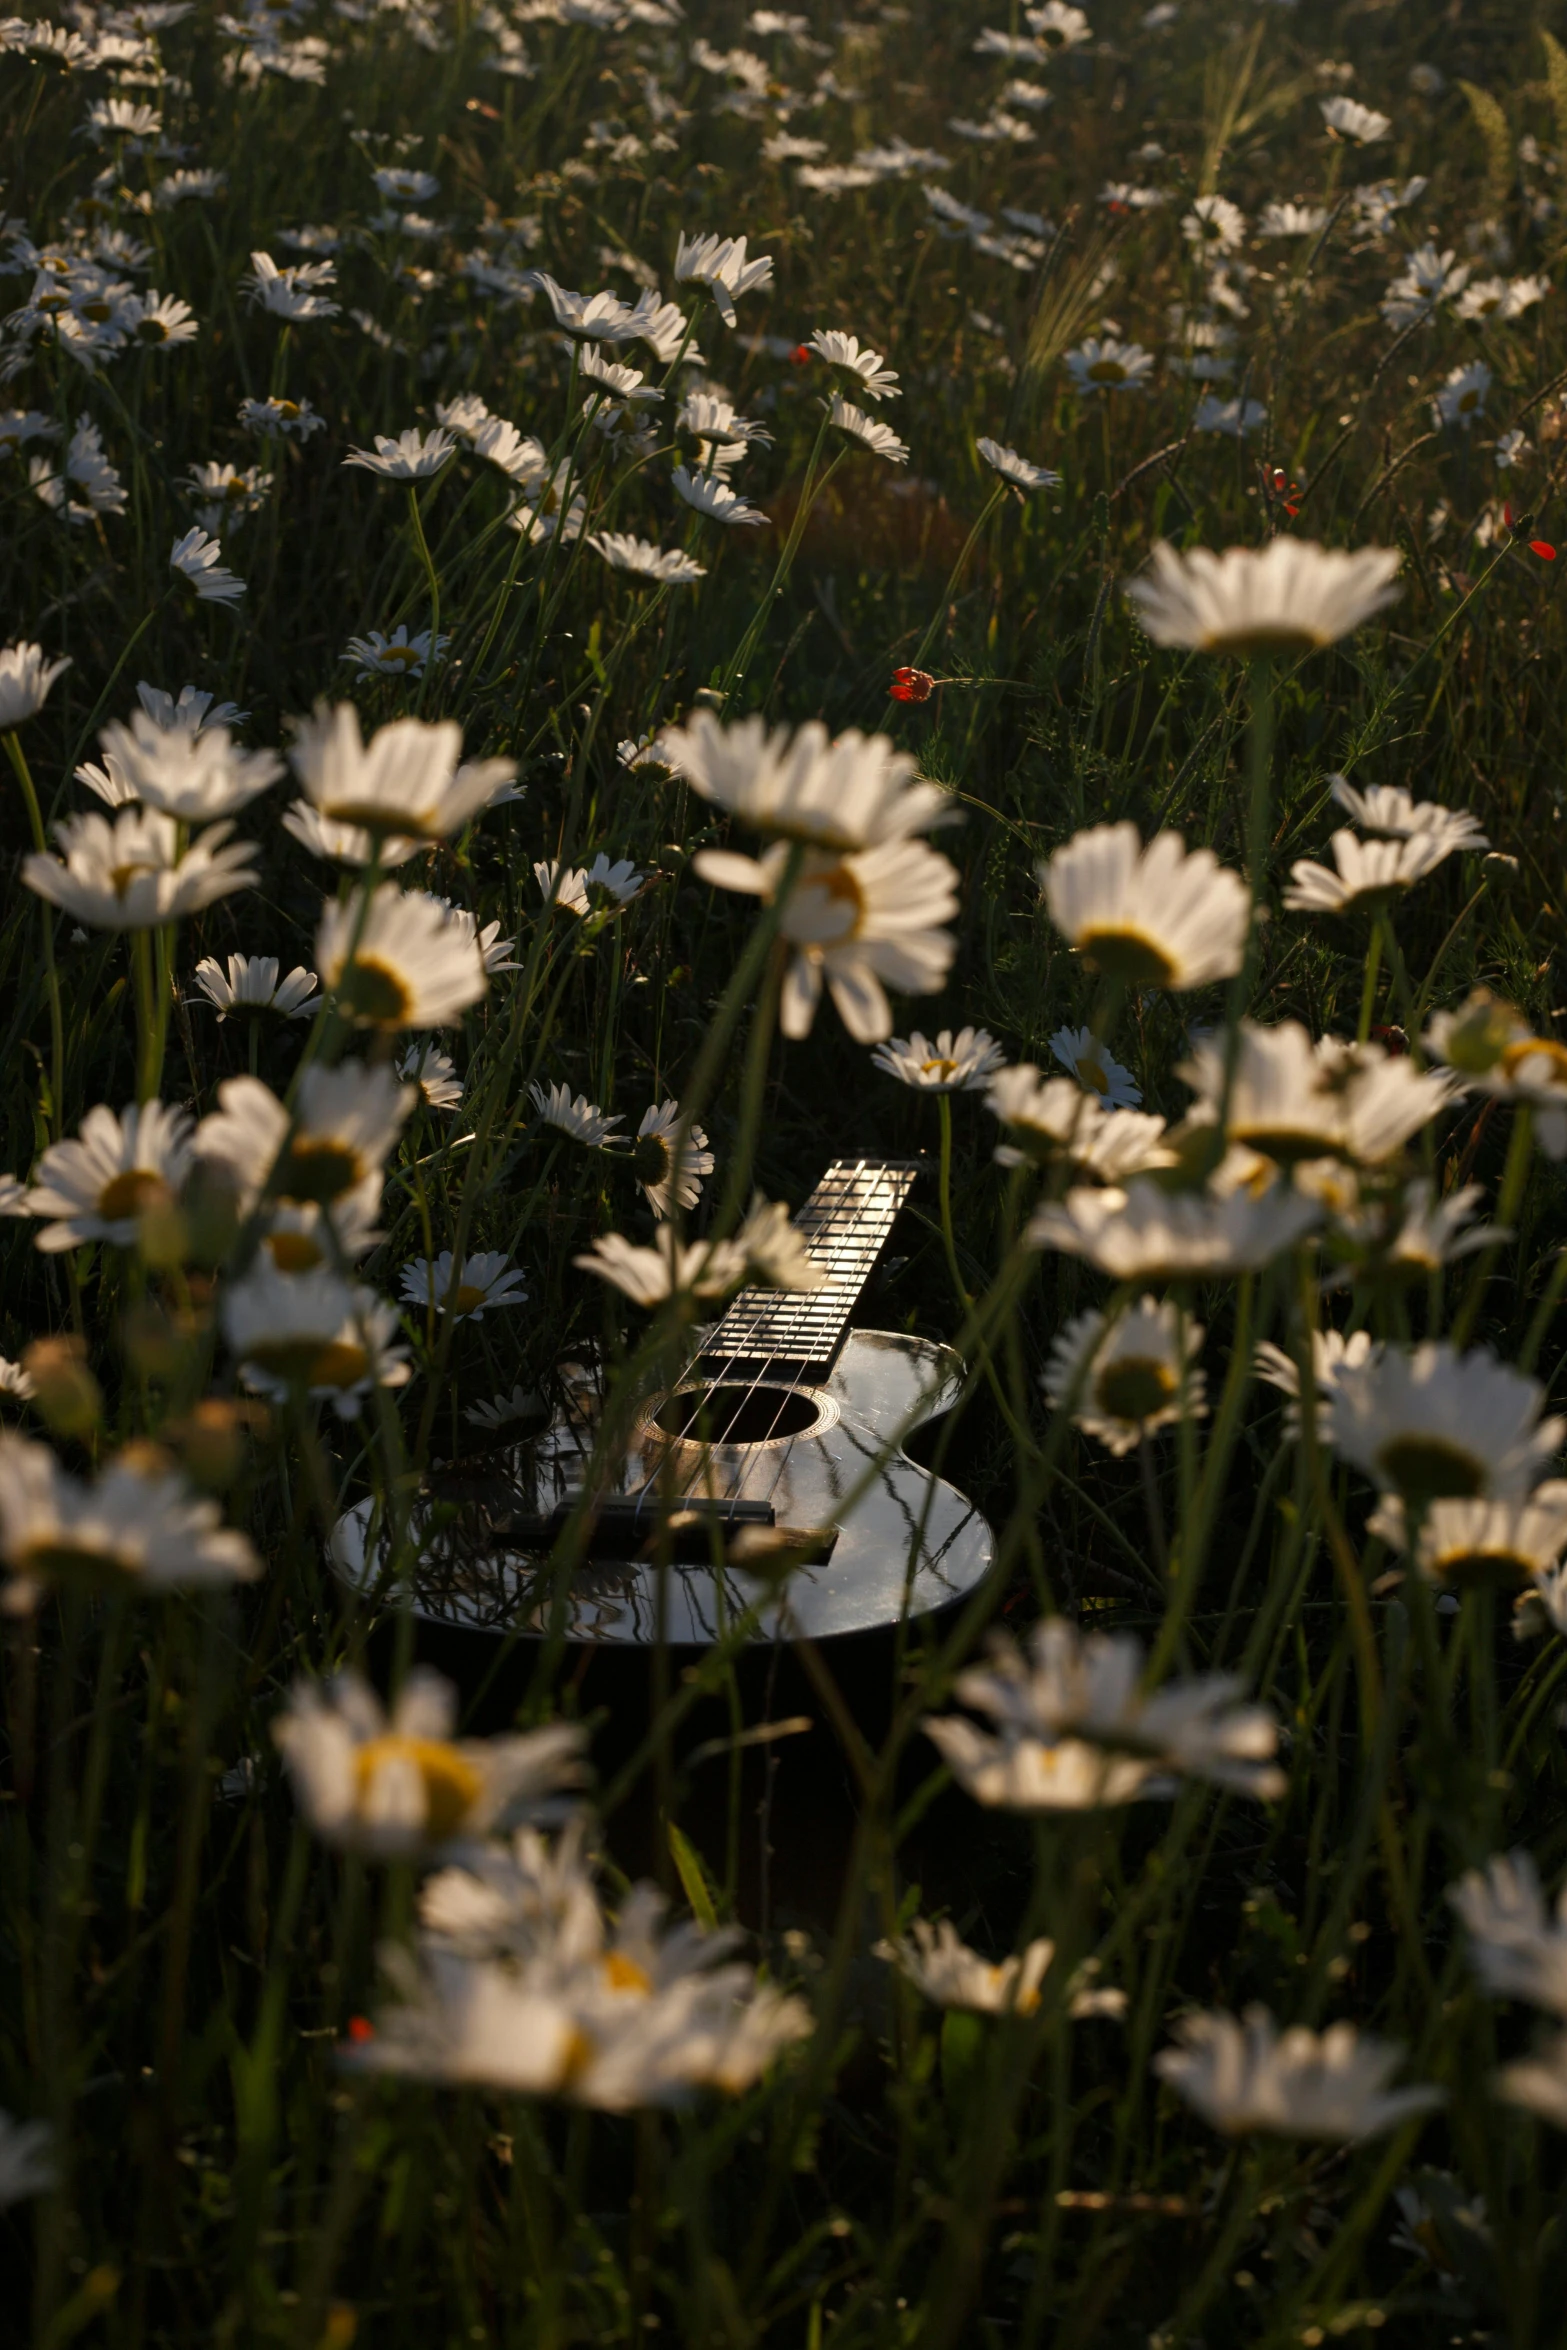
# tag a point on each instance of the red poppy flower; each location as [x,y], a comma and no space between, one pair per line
[911,685]
[1544,549]
[360,2029]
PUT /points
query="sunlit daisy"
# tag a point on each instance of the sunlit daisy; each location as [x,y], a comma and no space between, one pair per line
[26,677]
[433,1072]
[1105,364]
[843,793]
[399,1785]
[1386,812]
[670,1174]
[407,963]
[1369,872]
[343,1128]
[136,1526]
[1124,1379]
[961,1063]
[577,1117]
[1154,917]
[1429,1424]
[100,1187]
[1146,1233]
[1287,597]
[397,655]
[860,923]
[250,983]
[406,781]
[312,1334]
[1095,1069]
[1465,1542]
[1019,472]
[193,773]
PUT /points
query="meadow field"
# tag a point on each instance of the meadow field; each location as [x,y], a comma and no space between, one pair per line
[604,604]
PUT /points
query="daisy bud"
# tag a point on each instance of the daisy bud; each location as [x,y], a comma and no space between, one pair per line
[64,1389]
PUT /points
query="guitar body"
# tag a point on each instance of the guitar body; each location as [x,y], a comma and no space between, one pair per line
[795,1499]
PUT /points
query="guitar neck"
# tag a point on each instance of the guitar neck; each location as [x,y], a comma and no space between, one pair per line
[796,1335]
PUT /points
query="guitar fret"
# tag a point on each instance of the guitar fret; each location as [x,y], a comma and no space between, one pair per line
[844,1224]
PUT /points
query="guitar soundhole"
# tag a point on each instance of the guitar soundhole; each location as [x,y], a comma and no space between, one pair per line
[732,1413]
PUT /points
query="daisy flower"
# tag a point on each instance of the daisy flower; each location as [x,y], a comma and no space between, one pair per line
[131,875]
[1331,1355]
[578,1118]
[276,418]
[408,963]
[412,456]
[1346,118]
[1055,1118]
[1074,1729]
[26,677]
[1215,225]
[344,1127]
[873,379]
[951,1064]
[670,1268]
[1460,1543]
[1020,472]
[400,1785]
[1429,1424]
[397,655]
[1460,399]
[195,773]
[1095,1069]
[99,1187]
[879,438]
[845,793]
[1368,872]
[1108,365]
[1145,1233]
[720,264]
[581,890]
[27,2163]
[136,1526]
[195,559]
[314,1334]
[860,923]
[407,781]
[1389,813]
[251,984]
[670,1176]
[668,566]
[433,1072]
[1244,2076]
[1122,1380]
[294,294]
[466,1292]
[1154,916]
[708,495]
[1290,596]
[948,1973]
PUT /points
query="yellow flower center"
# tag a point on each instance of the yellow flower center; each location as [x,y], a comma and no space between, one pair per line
[623,1974]
[375,994]
[467,1295]
[318,1168]
[127,1193]
[1091,1073]
[942,1071]
[1518,1059]
[294,1252]
[1135,1387]
[1430,1468]
[1466,1564]
[399,656]
[1107,371]
[1130,955]
[450,1783]
[122,876]
[61,1560]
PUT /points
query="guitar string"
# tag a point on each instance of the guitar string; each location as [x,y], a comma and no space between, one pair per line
[866,1193]
[842,1203]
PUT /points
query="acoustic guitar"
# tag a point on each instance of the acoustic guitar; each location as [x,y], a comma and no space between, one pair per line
[771,1477]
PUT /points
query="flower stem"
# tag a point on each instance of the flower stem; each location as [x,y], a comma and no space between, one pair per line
[46,911]
[423,545]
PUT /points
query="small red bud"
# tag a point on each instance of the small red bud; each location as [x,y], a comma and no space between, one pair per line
[360,2029]
[800,356]
[1544,549]
[911,685]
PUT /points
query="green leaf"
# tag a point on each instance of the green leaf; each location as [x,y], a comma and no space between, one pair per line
[694,1878]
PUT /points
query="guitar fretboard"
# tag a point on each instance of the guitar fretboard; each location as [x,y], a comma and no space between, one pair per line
[796,1334]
